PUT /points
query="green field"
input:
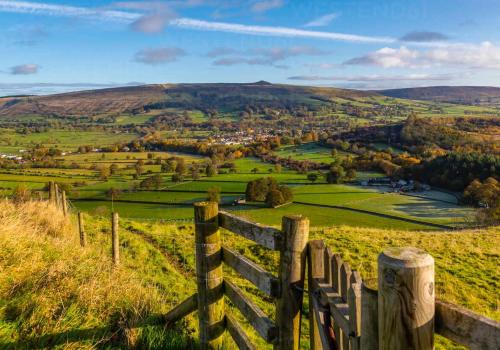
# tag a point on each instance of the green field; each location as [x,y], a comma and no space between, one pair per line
[12,142]
[307,151]
[174,200]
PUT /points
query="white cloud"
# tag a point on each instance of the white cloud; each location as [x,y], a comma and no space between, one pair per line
[323,65]
[153,23]
[188,23]
[261,56]
[387,58]
[371,78]
[484,55]
[68,11]
[159,56]
[24,69]
[276,31]
[266,5]
[424,36]
[322,21]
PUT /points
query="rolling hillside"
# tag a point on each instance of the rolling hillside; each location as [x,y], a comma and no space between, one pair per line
[55,294]
[477,95]
[228,97]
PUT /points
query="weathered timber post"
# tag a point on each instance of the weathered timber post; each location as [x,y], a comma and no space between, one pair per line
[369,316]
[52,192]
[406,299]
[57,196]
[64,204]
[115,239]
[316,272]
[209,276]
[291,274]
[81,229]
[318,261]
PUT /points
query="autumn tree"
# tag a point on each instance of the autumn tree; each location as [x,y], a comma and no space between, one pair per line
[211,170]
[213,194]
[181,166]
[335,175]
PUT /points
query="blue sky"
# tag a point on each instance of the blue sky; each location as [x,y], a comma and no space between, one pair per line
[56,46]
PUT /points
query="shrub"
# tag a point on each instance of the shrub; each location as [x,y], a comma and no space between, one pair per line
[213,194]
[267,190]
[274,198]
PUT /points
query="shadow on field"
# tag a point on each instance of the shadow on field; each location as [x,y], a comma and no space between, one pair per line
[346,192]
[429,210]
[99,337]
[48,341]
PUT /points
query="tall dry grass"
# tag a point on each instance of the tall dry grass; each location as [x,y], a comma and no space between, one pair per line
[55,294]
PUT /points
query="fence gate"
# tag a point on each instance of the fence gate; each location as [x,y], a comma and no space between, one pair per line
[334,300]
[343,312]
[286,289]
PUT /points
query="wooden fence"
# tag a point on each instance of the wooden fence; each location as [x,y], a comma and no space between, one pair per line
[286,289]
[344,312]
[58,197]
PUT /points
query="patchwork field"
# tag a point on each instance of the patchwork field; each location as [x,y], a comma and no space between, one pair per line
[307,151]
[12,142]
[326,205]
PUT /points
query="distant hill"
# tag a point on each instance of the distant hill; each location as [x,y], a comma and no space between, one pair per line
[226,97]
[476,95]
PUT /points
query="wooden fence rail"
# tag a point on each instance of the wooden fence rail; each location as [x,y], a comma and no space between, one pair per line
[286,289]
[345,312]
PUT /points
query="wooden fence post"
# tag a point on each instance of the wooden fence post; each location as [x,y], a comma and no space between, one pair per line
[316,271]
[406,300]
[369,317]
[209,276]
[57,198]
[64,204]
[81,229]
[291,274]
[52,192]
[115,239]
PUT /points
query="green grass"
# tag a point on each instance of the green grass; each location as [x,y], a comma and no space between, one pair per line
[429,210]
[307,151]
[54,294]
[232,187]
[465,262]
[124,157]
[10,141]
[157,272]
[326,217]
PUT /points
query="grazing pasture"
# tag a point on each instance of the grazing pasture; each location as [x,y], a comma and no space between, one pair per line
[307,151]
[65,140]
[326,205]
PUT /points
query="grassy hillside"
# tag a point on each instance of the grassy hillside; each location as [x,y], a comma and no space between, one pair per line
[54,294]
[477,95]
[81,103]
[466,261]
[228,97]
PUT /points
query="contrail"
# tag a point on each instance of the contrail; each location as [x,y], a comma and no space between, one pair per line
[188,23]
